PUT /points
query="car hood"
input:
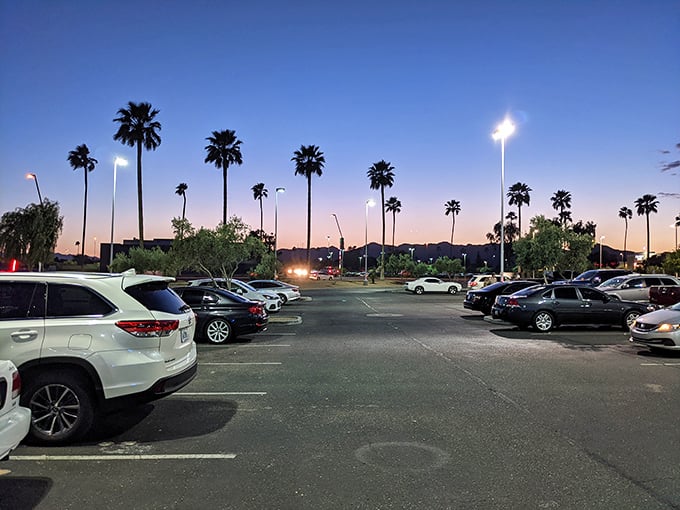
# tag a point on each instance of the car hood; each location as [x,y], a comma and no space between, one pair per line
[660,316]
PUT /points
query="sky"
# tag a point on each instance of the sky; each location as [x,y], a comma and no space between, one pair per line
[591,85]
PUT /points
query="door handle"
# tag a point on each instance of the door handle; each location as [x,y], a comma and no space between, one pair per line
[24,335]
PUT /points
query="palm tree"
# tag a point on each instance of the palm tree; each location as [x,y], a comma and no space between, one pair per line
[644,205]
[519,196]
[181,190]
[80,158]
[625,213]
[452,207]
[309,160]
[224,150]
[561,201]
[139,129]
[260,192]
[381,174]
[676,225]
[393,205]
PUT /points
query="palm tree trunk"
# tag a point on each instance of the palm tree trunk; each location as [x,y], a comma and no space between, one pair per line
[625,241]
[647,260]
[394,219]
[382,251]
[224,193]
[140,206]
[309,216]
[82,253]
[519,219]
[261,217]
[453,222]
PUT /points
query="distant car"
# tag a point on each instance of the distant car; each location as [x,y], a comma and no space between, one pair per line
[595,277]
[635,287]
[271,300]
[658,330]
[222,315]
[321,274]
[15,420]
[548,306]
[483,299]
[285,291]
[432,284]
[479,281]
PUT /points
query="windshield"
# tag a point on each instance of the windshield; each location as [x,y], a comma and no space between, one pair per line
[588,275]
[614,282]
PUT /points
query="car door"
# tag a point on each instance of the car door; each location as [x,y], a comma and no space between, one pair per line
[568,306]
[433,285]
[22,320]
[599,308]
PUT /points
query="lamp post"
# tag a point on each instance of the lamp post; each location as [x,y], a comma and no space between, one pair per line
[412,249]
[116,163]
[601,239]
[369,203]
[276,230]
[35,178]
[464,262]
[501,133]
[341,249]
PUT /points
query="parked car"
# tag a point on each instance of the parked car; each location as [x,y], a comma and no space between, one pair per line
[321,274]
[483,299]
[222,315]
[89,343]
[635,287]
[595,277]
[658,330]
[271,300]
[15,420]
[664,295]
[432,284]
[548,306]
[479,281]
[285,291]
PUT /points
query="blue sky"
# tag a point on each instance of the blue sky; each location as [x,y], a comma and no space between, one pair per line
[591,85]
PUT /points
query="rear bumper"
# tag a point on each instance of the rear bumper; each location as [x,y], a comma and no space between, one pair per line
[13,428]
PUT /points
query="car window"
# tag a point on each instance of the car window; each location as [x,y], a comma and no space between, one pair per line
[651,280]
[636,283]
[22,300]
[668,281]
[591,294]
[157,296]
[565,293]
[191,296]
[530,290]
[74,300]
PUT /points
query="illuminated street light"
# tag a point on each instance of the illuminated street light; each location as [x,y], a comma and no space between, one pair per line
[601,239]
[35,178]
[116,163]
[501,133]
[464,262]
[411,250]
[369,203]
[276,229]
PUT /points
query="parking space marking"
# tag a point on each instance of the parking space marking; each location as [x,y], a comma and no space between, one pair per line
[244,363]
[218,393]
[244,346]
[181,456]
[660,364]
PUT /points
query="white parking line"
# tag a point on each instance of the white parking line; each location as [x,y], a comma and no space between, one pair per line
[244,363]
[244,346]
[660,364]
[218,393]
[181,456]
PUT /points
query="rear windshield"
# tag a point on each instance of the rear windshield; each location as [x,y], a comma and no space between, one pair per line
[157,296]
[588,275]
[529,290]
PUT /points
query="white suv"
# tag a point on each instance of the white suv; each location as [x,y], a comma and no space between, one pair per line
[86,344]
[14,419]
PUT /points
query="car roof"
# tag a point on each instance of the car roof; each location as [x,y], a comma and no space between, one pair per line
[127,278]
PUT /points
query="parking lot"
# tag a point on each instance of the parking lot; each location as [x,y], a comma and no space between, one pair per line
[366,397]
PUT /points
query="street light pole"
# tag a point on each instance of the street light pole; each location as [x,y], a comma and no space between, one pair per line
[116,162]
[369,203]
[501,133]
[342,244]
[35,178]
[276,230]
[601,239]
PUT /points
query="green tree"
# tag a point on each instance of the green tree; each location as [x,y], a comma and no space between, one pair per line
[30,234]
[138,128]
[143,261]
[260,192]
[396,263]
[223,151]
[671,264]
[519,195]
[309,161]
[625,213]
[448,266]
[380,175]
[452,207]
[393,205]
[647,204]
[181,190]
[561,202]
[80,158]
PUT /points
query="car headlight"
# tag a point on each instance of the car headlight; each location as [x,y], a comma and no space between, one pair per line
[667,328]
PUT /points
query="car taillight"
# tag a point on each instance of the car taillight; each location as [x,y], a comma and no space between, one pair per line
[473,284]
[256,310]
[16,385]
[148,329]
[512,302]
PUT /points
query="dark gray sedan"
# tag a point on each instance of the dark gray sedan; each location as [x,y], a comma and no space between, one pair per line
[547,306]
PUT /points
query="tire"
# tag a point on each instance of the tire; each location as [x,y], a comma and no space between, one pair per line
[218,331]
[543,321]
[629,319]
[419,290]
[453,289]
[283,298]
[62,407]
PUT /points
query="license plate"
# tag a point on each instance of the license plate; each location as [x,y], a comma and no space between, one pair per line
[183,335]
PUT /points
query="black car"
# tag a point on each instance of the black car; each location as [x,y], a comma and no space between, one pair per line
[222,315]
[595,277]
[547,306]
[483,299]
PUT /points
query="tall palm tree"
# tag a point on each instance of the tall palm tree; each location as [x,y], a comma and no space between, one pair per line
[393,205]
[309,160]
[519,195]
[381,174]
[138,128]
[644,205]
[561,201]
[676,225]
[181,190]
[224,150]
[625,213]
[260,192]
[452,207]
[80,158]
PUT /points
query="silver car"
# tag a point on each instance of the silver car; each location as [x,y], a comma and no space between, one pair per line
[635,287]
[658,330]
[271,300]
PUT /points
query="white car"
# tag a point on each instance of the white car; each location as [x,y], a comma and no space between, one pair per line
[89,343]
[14,419]
[432,284]
[286,291]
[480,281]
[272,301]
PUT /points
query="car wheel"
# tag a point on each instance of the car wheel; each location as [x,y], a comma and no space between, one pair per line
[283,298]
[543,321]
[419,290]
[218,331]
[629,319]
[453,289]
[62,407]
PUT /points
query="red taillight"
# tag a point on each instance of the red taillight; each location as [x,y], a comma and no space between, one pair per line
[256,310]
[147,329]
[512,302]
[16,385]
[13,265]
[473,284]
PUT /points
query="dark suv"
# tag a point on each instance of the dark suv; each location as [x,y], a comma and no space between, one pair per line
[595,277]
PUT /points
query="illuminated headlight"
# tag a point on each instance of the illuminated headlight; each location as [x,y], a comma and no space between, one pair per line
[667,328]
